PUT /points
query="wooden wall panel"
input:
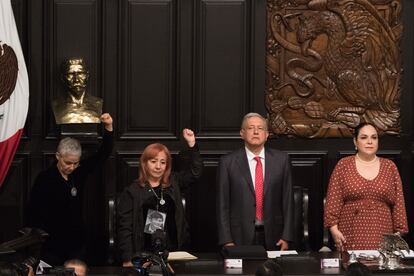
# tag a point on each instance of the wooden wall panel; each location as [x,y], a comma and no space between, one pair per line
[162,65]
[222,60]
[20,16]
[309,172]
[13,197]
[128,165]
[148,69]
[71,36]
[201,202]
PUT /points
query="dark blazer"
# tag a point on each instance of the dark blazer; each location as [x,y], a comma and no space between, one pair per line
[130,221]
[236,199]
[54,209]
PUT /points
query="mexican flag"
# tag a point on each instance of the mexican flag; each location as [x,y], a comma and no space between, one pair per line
[14,88]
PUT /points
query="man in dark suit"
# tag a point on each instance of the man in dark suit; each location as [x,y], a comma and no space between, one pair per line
[254,192]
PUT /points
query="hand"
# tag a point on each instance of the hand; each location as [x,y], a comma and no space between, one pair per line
[146,265]
[189,137]
[107,120]
[170,268]
[31,272]
[338,238]
[127,264]
[229,244]
[283,245]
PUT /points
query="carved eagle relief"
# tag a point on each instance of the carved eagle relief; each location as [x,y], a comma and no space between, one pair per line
[332,64]
[8,72]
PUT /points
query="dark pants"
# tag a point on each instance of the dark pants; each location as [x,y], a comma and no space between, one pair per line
[259,236]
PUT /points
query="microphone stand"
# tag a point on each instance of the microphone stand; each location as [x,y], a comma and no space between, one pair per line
[160,252]
[159,260]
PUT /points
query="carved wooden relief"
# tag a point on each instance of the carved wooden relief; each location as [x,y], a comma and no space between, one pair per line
[331,64]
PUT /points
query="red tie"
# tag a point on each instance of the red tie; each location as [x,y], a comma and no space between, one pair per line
[258,186]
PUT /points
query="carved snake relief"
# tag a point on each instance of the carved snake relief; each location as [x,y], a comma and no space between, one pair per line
[361,58]
[306,87]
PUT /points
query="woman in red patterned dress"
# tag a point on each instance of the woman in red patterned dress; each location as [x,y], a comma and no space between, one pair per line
[365,198]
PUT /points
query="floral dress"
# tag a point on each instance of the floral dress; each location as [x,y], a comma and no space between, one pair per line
[365,209]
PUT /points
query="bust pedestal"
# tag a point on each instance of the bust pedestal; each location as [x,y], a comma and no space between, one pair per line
[79,130]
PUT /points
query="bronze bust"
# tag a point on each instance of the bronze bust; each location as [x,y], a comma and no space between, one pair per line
[77,106]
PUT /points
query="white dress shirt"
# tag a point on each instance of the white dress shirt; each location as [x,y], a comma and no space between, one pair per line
[252,163]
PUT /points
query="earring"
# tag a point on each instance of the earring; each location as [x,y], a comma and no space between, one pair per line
[356,148]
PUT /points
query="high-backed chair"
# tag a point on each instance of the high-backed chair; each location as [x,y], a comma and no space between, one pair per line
[112,204]
[300,218]
[112,229]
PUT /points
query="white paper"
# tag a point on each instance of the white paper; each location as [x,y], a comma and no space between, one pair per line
[329,262]
[375,253]
[408,254]
[180,256]
[233,263]
[276,254]
[41,267]
[365,253]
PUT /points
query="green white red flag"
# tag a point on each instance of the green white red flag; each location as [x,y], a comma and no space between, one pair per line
[14,88]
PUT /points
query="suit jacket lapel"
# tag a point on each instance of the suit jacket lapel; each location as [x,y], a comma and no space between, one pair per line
[269,160]
[245,169]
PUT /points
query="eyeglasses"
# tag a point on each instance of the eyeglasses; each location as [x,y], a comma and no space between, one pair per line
[74,163]
[255,128]
[70,163]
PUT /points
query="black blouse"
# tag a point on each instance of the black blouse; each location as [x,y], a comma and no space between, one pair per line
[168,208]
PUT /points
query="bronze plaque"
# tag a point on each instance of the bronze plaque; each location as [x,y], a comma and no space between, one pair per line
[332,64]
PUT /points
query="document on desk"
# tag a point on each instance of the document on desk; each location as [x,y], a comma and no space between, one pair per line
[407,254]
[365,253]
[181,256]
[276,254]
[375,253]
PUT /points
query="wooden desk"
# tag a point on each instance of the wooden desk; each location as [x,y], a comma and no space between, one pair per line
[211,264]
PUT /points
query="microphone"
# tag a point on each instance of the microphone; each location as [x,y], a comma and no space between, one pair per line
[158,255]
[138,260]
[159,241]
[159,247]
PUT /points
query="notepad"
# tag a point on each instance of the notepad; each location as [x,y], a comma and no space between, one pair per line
[276,254]
[180,256]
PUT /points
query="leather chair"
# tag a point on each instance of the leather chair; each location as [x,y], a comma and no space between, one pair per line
[300,218]
[112,229]
[112,253]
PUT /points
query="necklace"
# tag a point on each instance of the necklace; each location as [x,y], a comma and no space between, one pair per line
[366,163]
[161,200]
[73,190]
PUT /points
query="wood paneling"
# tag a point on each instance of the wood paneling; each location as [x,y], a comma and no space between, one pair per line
[161,65]
[148,69]
[128,166]
[222,62]
[20,16]
[309,171]
[69,36]
[13,197]
[200,206]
